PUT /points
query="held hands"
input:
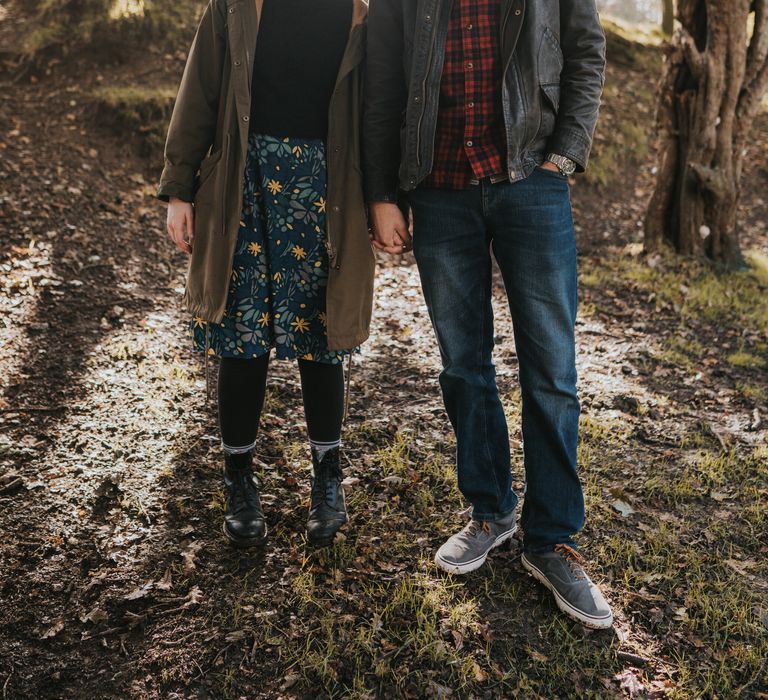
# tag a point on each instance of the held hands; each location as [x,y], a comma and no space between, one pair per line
[389,230]
[180,224]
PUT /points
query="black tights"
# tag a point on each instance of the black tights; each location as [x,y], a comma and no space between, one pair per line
[243,384]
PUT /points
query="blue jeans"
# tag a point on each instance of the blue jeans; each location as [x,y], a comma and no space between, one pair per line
[529,227]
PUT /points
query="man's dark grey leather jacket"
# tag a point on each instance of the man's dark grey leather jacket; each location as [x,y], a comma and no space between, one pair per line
[553,53]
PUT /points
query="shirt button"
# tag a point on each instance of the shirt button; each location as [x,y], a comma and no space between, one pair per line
[246,118]
[238,63]
[469,27]
[470,65]
[336,208]
[471,105]
[518,13]
[231,10]
[470,143]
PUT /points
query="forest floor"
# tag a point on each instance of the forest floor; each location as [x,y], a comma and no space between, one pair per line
[116,581]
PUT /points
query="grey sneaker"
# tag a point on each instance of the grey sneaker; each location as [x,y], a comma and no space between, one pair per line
[468,549]
[575,594]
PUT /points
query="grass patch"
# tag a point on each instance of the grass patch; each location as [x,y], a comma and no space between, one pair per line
[136,110]
[107,27]
[746,360]
[692,289]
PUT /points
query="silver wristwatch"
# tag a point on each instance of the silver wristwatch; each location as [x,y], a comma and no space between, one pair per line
[566,165]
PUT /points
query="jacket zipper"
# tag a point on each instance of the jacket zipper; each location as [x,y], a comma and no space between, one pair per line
[432,43]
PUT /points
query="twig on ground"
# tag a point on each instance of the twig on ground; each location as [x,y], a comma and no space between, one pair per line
[755,678]
[633,658]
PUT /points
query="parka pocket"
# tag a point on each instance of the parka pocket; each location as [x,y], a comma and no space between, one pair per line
[205,179]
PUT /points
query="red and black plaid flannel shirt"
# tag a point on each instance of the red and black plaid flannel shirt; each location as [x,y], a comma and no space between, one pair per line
[470,139]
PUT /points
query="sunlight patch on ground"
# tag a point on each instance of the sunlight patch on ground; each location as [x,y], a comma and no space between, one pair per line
[126,8]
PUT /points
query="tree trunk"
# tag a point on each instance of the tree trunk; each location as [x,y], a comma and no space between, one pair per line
[668,17]
[714,79]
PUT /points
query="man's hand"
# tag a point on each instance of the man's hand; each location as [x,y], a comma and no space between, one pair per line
[180,223]
[549,165]
[389,230]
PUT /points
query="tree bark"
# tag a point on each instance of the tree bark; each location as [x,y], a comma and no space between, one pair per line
[714,79]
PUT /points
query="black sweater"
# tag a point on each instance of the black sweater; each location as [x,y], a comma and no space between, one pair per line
[299,48]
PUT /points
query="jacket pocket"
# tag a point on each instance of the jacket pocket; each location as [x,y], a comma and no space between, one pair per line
[551,94]
[550,59]
[549,67]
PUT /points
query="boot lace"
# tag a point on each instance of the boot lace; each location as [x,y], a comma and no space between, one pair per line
[245,495]
[573,559]
[324,484]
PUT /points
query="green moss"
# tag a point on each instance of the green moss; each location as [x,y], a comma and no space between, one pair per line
[752,391]
[746,360]
[137,110]
[107,26]
[629,44]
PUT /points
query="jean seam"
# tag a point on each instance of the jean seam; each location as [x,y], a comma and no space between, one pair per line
[485,383]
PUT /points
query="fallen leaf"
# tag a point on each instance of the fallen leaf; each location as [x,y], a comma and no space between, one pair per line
[140,592]
[289,681]
[95,616]
[630,682]
[623,508]
[53,630]
[480,675]
[188,556]
[194,597]
[537,656]
[164,584]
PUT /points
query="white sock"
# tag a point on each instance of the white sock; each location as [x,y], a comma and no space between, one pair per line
[320,448]
[228,449]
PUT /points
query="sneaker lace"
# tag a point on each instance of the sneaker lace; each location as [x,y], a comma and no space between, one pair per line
[245,494]
[573,559]
[475,526]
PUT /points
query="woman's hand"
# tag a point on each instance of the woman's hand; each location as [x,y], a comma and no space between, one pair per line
[180,223]
[389,230]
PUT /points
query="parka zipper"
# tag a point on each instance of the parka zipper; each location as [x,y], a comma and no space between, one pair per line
[226,157]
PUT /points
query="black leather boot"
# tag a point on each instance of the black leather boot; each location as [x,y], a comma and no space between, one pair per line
[244,520]
[327,511]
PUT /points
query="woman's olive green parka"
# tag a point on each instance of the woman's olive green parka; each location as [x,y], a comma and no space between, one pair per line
[205,156]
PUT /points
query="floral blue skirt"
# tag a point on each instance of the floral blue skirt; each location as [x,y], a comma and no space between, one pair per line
[280,272]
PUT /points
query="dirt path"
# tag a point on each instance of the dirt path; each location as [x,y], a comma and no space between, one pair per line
[117,582]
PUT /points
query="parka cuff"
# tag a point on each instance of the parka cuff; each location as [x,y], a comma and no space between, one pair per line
[177,181]
[571,144]
[174,189]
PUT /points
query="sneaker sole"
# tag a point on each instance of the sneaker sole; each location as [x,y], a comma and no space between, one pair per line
[454,568]
[595,623]
[244,543]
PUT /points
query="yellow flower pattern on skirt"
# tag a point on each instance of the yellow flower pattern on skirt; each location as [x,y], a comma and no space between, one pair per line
[280,269]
